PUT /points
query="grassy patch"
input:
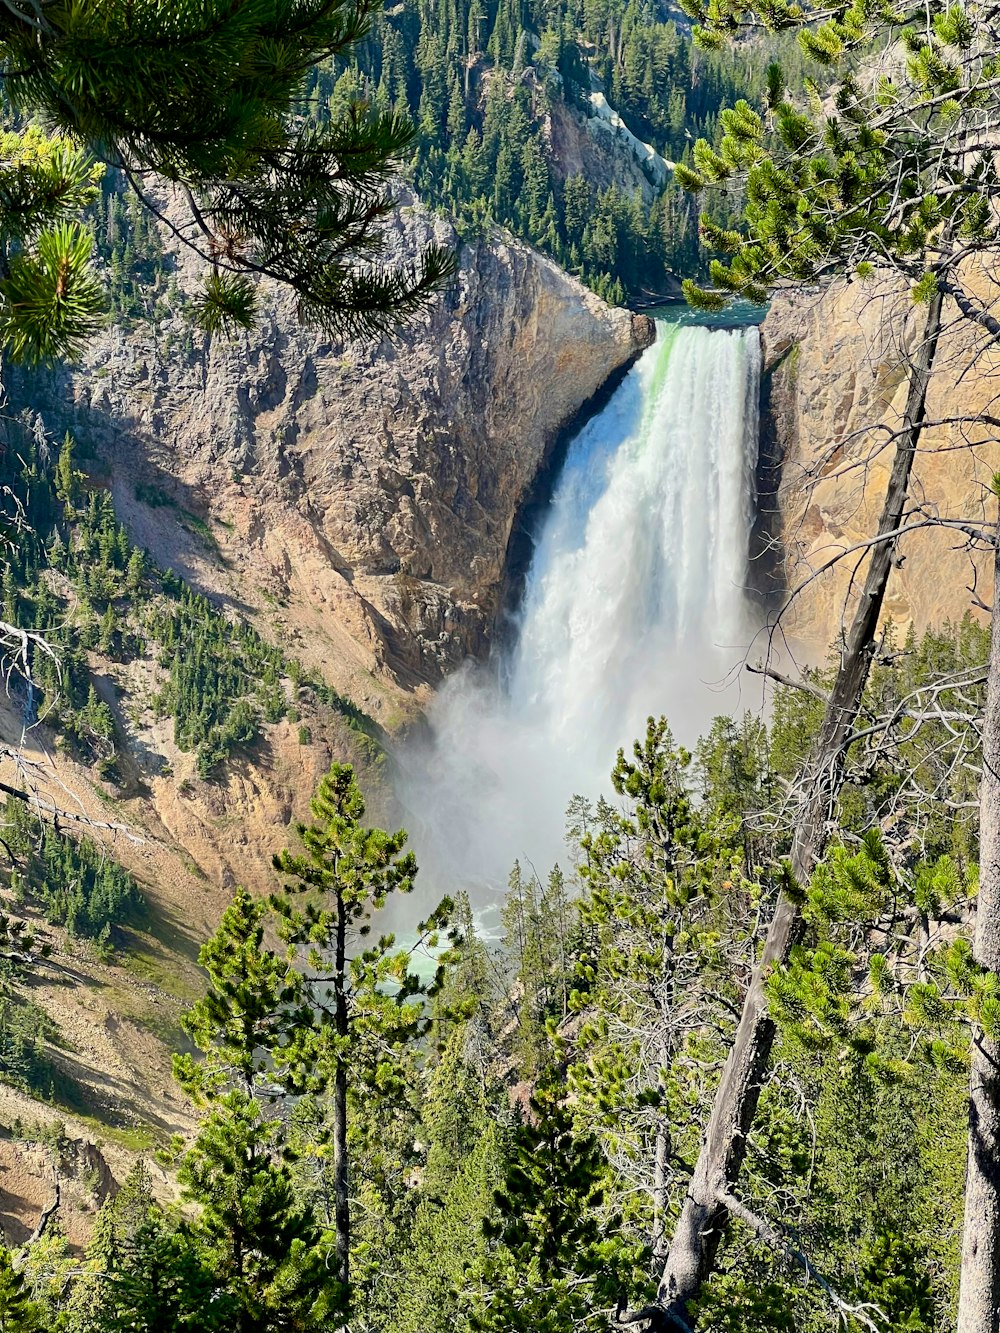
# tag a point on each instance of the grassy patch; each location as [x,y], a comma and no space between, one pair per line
[165,1027]
[157,968]
[164,955]
[201,529]
[136,1138]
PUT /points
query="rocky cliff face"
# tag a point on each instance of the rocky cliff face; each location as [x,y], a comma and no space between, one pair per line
[835,387]
[600,147]
[361,494]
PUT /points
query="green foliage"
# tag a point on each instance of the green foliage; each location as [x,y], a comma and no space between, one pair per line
[906,764]
[18,1312]
[484,80]
[228,303]
[892,1274]
[224,679]
[258,1239]
[857,903]
[50,301]
[24,1030]
[865,177]
[48,1269]
[663,901]
[734,767]
[259,1242]
[224,682]
[454,1115]
[239,1021]
[330,1033]
[736,1300]
[142,1273]
[272,193]
[538,922]
[447,1254]
[74,881]
[368,1001]
[560,1264]
[139,278]
[364,1122]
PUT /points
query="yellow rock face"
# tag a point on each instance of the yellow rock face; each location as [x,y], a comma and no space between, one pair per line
[357,497]
[835,393]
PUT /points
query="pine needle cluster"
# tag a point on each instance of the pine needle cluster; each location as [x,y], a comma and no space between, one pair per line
[208,95]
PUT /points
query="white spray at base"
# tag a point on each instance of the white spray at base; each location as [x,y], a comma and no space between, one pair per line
[634,604]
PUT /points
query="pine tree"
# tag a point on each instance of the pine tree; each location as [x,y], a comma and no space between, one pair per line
[142,1275]
[454,1115]
[560,1265]
[535,190]
[577,204]
[67,479]
[657,931]
[448,1256]
[134,573]
[18,1312]
[369,1004]
[107,634]
[50,299]
[48,1267]
[252,998]
[262,1245]
[456,121]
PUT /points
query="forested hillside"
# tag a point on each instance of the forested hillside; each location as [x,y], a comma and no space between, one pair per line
[480,1197]
[503,98]
[505,101]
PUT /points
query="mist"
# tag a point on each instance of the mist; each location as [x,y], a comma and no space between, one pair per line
[635,603]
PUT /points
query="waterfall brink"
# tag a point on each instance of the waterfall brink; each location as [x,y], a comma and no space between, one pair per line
[635,602]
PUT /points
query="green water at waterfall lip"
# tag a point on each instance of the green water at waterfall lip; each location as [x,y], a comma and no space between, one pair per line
[739,315]
[671,319]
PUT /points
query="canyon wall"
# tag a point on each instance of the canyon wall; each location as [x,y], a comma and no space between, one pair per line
[355,501]
[834,391]
[356,498]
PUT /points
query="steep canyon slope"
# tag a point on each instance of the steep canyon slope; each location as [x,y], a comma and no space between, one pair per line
[361,495]
[355,502]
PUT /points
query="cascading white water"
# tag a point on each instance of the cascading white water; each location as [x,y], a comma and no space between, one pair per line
[635,600]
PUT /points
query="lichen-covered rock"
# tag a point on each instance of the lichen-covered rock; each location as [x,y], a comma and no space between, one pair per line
[362,493]
[835,389]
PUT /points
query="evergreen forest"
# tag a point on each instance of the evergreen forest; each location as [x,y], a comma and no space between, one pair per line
[519,1118]
[729,1063]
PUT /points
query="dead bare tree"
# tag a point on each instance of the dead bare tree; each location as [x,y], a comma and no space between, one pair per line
[979,1293]
[703,1215]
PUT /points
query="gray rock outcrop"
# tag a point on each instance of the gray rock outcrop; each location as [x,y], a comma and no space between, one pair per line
[363,494]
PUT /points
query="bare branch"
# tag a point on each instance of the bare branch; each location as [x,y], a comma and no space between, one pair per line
[773,674]
[863,1312]
[49,1212]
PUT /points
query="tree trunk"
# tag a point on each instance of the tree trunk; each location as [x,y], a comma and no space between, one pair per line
[699,1228]
[341,1199]
[660,1164]
[979,1292]
[341,1202]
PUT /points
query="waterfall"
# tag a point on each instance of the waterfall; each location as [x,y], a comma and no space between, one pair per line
[634,604]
